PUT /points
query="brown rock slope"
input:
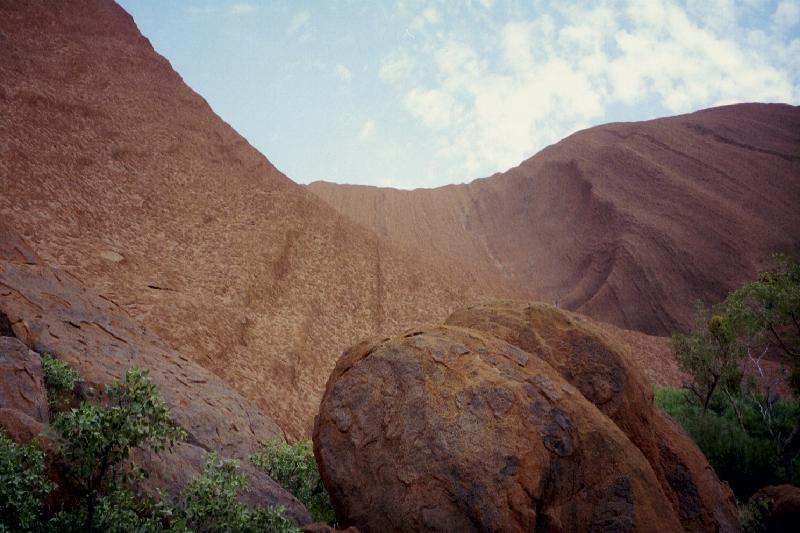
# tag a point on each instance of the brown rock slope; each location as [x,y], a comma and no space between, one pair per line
[118,173]
[452,428]
[628,223]
[50,311]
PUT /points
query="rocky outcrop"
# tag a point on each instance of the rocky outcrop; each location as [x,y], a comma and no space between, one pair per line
[171,470]
[627,222]
[449,429]
[439,424]
[782,506]
[116,172]
[51,311]
[597,366]
[21,380]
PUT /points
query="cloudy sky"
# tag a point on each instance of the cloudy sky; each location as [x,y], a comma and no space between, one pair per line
[420,93]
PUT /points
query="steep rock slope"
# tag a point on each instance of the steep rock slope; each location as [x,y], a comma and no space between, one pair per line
[116,172]
[627,222]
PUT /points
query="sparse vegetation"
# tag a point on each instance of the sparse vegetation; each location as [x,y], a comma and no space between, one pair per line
[747,429]
[295,469]
[23,486]
[95,440]
[60,381]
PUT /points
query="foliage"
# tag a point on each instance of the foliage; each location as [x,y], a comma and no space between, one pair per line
[767,310]
[752,516]
[295,469]
[23,485]
[743,454]
[711,354]
[95,440]
[209,503]
[60,381]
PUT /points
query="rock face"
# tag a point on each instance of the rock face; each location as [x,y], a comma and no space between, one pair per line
[21,382]
[51,311]
[448,429]
[501,420]
[627,222]
[783,507]
[116,172]
[601,370]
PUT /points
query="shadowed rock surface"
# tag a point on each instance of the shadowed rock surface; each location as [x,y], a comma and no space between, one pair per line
[629,223]
[608,377]
[782,507]
[21,380]
[116,172]
[51,311]
[449,429]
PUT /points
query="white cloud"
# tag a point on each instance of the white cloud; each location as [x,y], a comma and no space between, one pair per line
[435,108]
[343,72]
[495,100]
[786,15]
[299,21]
[396,67]
[242,8]
[367,130]
[428,16]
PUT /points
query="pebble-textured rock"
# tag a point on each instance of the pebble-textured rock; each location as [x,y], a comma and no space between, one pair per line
[21,380]
[597,366]
[448,429]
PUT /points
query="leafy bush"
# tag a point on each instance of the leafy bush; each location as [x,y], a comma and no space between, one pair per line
[209,503]
[95,440]
[60,381]
[742,453]
[295,469]
[752,515]
[23,486]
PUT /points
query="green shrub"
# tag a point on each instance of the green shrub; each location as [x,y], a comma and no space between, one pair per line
[742,453]
[60,381]
[295,469]
[95,440]
[209,503]
[23,486]
[752,515]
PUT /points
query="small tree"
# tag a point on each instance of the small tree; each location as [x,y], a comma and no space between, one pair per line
[711,355]
[96,440]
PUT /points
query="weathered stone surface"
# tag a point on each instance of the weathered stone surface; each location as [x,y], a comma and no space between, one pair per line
[322,527]
[52,311]
[19,426]
[21,380]
[172,470]
[783,507]
[449,429]
[597,366]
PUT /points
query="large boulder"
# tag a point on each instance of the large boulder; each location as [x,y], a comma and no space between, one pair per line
[782,508]
[21,380]
[449,429]
[597,365]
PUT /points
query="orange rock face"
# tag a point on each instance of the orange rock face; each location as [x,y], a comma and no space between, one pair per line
[114,171]
[598,366]
[629,223]
[451,429]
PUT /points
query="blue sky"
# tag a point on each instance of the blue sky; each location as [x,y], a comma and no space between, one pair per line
[420,94]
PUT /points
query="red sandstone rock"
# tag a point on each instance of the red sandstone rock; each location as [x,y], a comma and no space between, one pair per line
[449,429]
[19,426]
[172,470]
[629,223]
[596,365]
[783,507]
[21,381]
[53,312]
